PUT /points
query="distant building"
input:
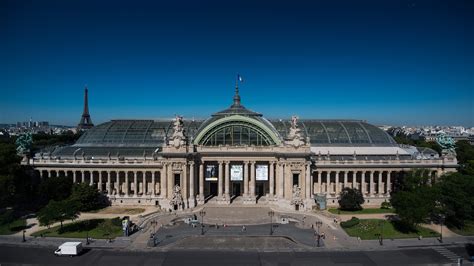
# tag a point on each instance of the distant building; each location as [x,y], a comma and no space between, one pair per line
[86,121]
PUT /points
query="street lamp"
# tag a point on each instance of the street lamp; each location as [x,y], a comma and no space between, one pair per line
[154,222]
[381,232]
[318,225]
[441,221]
[87,232]
[271,214]
[202,213]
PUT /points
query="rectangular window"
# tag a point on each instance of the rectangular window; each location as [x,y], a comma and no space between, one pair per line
[177,179]
[296,179]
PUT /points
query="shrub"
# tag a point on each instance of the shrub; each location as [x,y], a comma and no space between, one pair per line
[386,205]
[6,217]
[350,199]
[350,223]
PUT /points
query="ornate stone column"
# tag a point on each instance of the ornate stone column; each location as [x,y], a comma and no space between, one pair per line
[337,182]
[201,181]
[308,180]
[320,184]
[170,181]
[83,178]
[252,179]
[126,184]
[184,185]
[91,178]
[246,178]
[272,179]
[153,183]
[380,187]
[227,181]
[362,183]
[372,187]
[311,188]
[192,202]
[345,179]
[219,180]
[144,190]
[281,180]
[163,181]
[135,183]
[99,185]
[389,184]
[117,182]
[328,182]
[354,179]
[74,178]
[109,184]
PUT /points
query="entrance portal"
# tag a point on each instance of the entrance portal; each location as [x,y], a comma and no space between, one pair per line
[236,189]
[213,188]
[260,189]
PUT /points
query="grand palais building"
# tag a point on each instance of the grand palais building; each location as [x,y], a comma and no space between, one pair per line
[237,156]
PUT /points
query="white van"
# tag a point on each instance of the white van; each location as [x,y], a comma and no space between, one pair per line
[69,249]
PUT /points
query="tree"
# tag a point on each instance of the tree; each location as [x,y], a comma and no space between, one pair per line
[87,197]
[55,188]
[414,199]
[46,216]
[58,211]
[465,156]
[350,199]
[107,226]
[456,198]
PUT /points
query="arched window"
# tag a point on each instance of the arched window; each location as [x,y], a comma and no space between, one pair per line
[237,133]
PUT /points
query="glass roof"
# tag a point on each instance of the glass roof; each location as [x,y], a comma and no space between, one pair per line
[150,133]
[338,132]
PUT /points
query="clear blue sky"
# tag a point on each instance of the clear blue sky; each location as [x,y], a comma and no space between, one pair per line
[388,62]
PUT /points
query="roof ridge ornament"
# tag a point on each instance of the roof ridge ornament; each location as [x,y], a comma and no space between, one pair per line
[236,95]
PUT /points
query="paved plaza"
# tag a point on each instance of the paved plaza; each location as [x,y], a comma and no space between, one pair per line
[249,240]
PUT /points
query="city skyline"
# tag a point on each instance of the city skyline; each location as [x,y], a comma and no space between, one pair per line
[396,63]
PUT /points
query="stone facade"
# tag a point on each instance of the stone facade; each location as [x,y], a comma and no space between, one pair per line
[286,171]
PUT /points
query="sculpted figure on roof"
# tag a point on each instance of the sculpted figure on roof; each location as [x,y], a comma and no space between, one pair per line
[294,137]
[178,138]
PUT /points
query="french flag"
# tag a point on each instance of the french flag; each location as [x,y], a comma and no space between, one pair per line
[239,78]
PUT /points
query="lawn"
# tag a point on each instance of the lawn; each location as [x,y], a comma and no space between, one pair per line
[467,230]
[370,228]
[81,229]
[363,211]
[12,227]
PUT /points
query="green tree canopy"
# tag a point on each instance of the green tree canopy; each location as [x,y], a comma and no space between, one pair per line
[58,211]
[414,199]
[456,198]
[465,156]
[88,197]
[350,199]
[55,188]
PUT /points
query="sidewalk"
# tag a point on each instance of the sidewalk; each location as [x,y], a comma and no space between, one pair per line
[54,242]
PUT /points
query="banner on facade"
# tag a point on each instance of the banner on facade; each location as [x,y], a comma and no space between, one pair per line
[261,172]
[236,173]
[211,172]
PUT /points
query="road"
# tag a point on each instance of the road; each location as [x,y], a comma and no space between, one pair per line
[10,254]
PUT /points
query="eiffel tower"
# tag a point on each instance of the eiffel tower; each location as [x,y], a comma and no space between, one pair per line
[86,121]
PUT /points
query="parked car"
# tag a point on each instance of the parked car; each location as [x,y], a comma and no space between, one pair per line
[69,249]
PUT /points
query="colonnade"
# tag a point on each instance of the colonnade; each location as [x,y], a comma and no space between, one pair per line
[371,182]
[114,182]
[282,176]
